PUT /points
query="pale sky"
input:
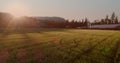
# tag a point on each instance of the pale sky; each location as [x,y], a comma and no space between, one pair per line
[68,9]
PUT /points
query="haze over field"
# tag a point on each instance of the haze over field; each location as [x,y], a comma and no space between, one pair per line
[59,31]
[69,9]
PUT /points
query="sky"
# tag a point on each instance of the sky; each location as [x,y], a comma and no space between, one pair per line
[68,9]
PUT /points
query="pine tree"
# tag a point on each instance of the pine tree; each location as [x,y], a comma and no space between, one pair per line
[113,16]
[72,23]
[67,24]
[116,20]
[86,23]
[107,20]
[102,21]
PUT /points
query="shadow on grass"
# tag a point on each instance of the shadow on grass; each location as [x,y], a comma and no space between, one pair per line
[33,30]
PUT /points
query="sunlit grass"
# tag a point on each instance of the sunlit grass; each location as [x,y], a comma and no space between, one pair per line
[76,46]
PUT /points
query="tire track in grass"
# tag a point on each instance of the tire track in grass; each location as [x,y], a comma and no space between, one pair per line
[115,55]
[38,56]
[19,52]
[4,54]
[12,56]
[24,52]
[2,39]
[89,50]
[70,50]
[112,54]
[34,54]
[22,56]
[29,49]
[13,50]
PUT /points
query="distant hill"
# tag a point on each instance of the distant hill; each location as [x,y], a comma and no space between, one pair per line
[5,15]
[5,18]
[50,18]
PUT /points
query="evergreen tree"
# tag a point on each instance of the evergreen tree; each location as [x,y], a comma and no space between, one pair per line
[72,23]
[107,20]
[102,21]
[113,16]
[80,23]
[86,23]
[116,20]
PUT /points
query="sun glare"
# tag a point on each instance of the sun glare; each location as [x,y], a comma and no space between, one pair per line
[17,9]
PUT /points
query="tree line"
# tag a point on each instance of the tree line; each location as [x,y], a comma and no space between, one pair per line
[7,20]
[113,19]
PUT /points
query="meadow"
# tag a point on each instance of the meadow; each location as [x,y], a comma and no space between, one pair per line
[61,46]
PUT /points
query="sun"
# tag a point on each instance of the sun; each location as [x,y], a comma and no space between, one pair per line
[17,9]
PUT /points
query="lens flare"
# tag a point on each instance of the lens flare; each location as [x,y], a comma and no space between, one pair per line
[17,9]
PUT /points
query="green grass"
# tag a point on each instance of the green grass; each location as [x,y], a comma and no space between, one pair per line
[64,46]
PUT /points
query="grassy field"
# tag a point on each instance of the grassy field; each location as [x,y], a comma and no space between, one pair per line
[61,46]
